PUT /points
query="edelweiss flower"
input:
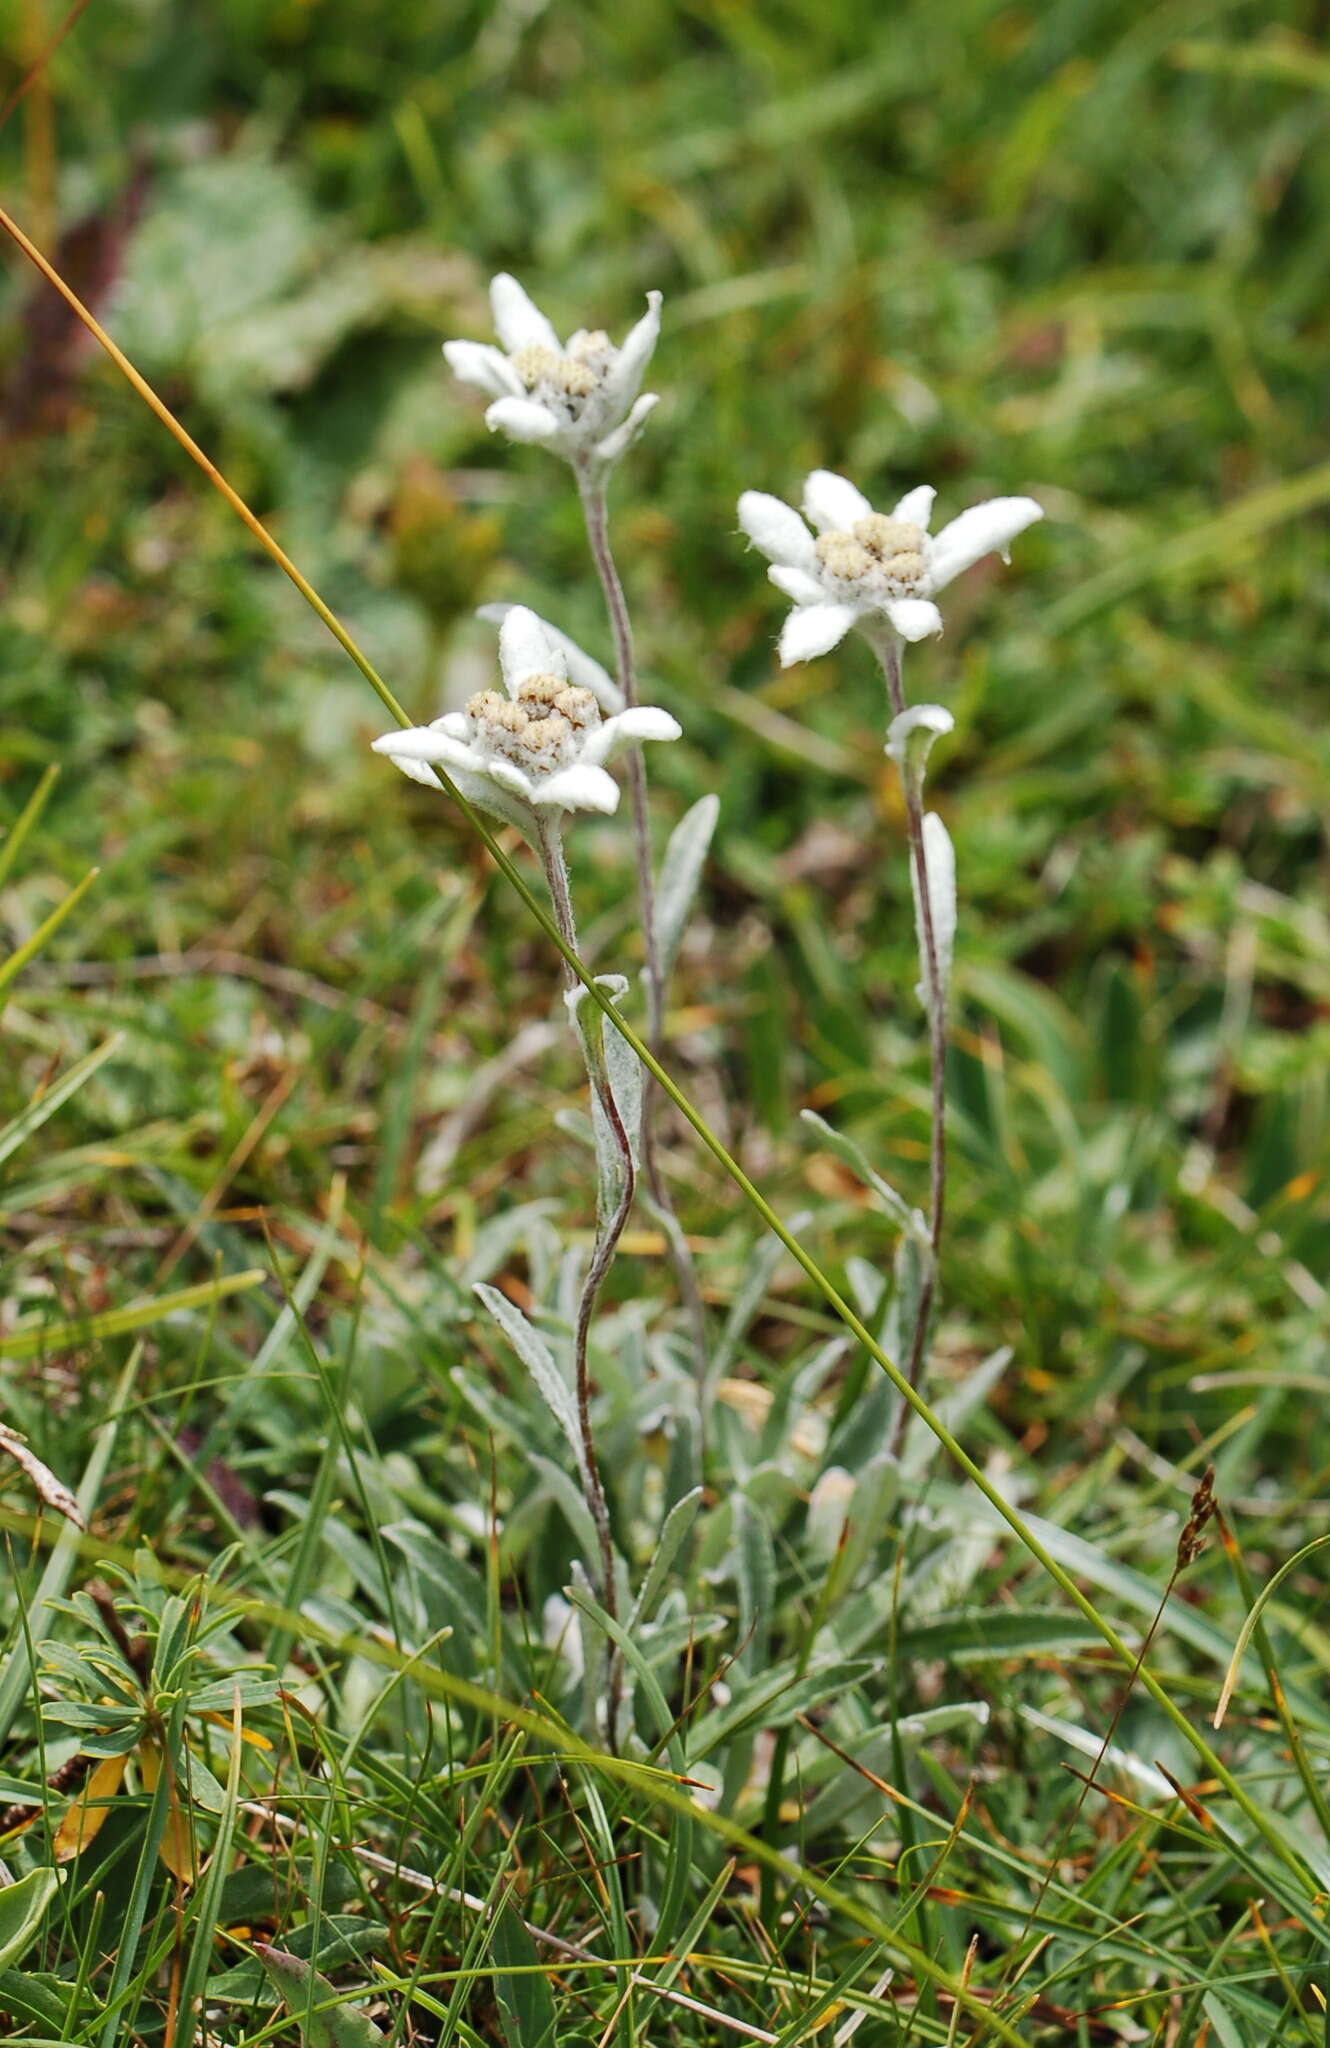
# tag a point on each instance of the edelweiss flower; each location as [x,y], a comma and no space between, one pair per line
[542,747]
[866,565]
[578,398]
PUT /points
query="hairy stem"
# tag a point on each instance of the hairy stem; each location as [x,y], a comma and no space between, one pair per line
[889,654]
[591,487]
[609,1230]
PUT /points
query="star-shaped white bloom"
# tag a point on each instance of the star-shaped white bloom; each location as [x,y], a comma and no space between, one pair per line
[579,398]
[859,565]
[539,746]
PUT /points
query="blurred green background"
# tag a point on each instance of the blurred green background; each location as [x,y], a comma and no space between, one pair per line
[1074,249]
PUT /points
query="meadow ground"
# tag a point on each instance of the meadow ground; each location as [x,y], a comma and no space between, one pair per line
[282,1087]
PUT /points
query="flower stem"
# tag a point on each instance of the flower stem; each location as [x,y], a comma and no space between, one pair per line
[609,1230]
[888,651]
[591,484]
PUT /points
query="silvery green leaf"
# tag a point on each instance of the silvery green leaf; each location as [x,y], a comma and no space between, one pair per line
[940,864]
[909,1267]
[828,1511]
[528,1225]
[538,1359]
[866,1284]
[910,738]
[568,1499]
[761,1267]
[875,1496]
[608,1054]
[774,1697]
[625,1072]
[680,873]
[955,1409]
[845,1149]
[1111,1757]
[755,1578]
[595,1643]
[848,1799]
[685,1466]
[678,1523]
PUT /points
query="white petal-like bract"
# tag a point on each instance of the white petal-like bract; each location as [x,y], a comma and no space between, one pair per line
[916,506]
[982,530]
[627,728]
[527,649]
[915,618]
[488,368]
[522,419]
[777,529]
[621,440]
[583,787]
[501,754]
[624,379]
[910,738]
[797,584]
[814,629]
[518,321]
[832,502]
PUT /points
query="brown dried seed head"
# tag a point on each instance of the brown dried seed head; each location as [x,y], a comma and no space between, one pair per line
[546,739]
[1190,1543]
[578,706]
[499,714]
[541,688]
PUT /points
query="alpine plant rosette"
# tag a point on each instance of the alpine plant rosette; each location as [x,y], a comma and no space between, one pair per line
[859,567]
[579,397]
[536,748]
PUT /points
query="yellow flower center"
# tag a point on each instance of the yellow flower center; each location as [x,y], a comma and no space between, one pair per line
[877,557]
[575,375]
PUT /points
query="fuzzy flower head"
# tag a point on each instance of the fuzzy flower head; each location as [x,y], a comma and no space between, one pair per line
[859,567]
[536,748]
[579,397]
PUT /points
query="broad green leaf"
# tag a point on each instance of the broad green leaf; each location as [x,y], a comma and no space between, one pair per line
[35,1997]
[526,2004]
[326,2021]
[22,1910]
